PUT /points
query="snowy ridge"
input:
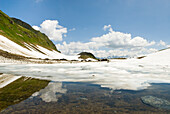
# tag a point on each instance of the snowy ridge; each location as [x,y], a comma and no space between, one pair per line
[32,51]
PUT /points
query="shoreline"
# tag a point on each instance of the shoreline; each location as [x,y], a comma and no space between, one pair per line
[41,61]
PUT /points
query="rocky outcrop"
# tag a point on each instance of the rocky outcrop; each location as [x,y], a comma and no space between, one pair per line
[156,102]
[86,55]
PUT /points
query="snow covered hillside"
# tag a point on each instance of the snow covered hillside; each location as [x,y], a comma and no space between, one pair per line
[33,51]
[158,58]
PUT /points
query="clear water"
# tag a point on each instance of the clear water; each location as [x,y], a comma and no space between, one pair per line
[78,97]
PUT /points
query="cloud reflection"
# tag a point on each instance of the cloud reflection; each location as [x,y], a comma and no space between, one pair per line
[52,92]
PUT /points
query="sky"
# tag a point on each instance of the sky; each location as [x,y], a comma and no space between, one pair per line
[115,28]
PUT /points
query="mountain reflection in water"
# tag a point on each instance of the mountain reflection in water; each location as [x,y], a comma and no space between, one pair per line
[75,97]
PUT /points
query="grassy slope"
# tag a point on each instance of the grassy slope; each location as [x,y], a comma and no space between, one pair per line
[20,32]
[20,90]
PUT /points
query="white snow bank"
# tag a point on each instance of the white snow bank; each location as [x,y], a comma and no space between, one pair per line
[90,59]
[12,47]
[158,58]
[125,74]
[6,79]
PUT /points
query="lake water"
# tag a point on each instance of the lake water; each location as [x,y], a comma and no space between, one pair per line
[78,97]
[115,87]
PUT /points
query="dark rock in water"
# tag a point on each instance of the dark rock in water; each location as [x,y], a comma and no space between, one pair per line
[82,98]
[156,102]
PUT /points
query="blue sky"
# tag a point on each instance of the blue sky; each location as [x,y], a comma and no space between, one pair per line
[148,19]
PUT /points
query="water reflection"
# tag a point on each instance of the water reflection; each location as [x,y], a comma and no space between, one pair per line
[51,93]
[69,97]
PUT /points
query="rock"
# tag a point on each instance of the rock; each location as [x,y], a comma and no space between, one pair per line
[82,98]
[156,102]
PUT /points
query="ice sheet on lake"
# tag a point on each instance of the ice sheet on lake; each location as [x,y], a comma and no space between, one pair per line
[133,74]
[116,75]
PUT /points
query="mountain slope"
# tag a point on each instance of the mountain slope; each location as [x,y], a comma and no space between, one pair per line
[34,51]
[21,32]
[18,37]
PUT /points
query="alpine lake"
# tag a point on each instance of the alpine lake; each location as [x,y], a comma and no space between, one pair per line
[29,96]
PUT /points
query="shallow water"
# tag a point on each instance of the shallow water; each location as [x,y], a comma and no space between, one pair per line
[78,97]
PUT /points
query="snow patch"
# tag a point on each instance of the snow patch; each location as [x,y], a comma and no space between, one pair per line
[32,51]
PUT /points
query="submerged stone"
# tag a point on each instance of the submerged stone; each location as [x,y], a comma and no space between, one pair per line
[156,102]
[82,98]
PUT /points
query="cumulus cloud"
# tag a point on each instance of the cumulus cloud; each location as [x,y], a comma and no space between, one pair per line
[162,43]
[36,28]
[124,53]
[73,48]
[121,40]
[114,44]
[52,29]
[107,27]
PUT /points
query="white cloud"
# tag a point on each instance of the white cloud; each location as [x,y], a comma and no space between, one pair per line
[73,48]
[121,40]
[114,44]
[52,29]
[162,43]
[107,27]
[123,53]
[36,28]
[73,29]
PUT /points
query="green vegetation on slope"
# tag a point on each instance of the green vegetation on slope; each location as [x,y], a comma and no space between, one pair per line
[20,90]
[20,32]
[85,55]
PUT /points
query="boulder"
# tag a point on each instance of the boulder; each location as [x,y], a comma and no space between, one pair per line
[156,102]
